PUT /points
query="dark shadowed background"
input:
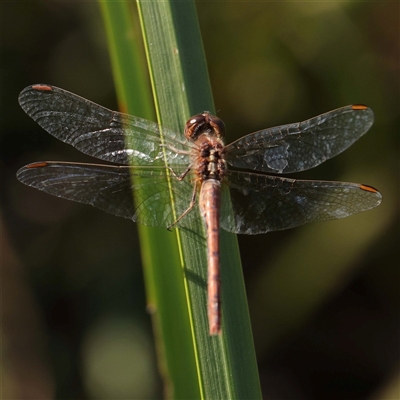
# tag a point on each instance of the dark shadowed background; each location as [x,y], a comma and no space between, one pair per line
[324,298]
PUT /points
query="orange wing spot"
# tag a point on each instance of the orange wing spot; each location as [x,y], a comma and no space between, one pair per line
[42,87]
[358,107]
[368,188]
[40,164]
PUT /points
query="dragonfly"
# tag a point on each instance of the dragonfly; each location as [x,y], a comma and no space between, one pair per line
[177,179]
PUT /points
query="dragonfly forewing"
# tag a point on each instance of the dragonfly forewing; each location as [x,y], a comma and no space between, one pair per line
[99,132]
[300,146]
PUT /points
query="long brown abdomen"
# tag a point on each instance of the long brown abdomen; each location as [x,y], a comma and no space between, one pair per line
[210,201]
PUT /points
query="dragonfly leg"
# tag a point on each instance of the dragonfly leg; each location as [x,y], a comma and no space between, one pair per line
[182,175]
[191,205]
[178,151]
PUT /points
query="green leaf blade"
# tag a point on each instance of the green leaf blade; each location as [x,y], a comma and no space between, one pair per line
[227,367]
[194,365]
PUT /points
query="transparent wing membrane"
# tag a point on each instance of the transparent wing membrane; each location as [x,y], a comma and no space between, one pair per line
[99,132]
[109,188]
[263,203]
[303,145]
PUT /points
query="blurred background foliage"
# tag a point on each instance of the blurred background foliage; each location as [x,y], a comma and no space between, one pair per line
[324,298]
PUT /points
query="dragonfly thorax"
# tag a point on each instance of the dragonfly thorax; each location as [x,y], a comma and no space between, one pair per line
[209,161]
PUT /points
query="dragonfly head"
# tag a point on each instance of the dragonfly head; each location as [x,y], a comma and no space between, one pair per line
[204,123]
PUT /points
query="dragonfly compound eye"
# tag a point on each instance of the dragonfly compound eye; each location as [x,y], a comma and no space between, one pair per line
[204,123]
[217,125]
[195,126]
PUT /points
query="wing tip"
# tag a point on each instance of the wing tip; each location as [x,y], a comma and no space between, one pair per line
[39,87]
[38,164]
[21,173]
[377,194]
